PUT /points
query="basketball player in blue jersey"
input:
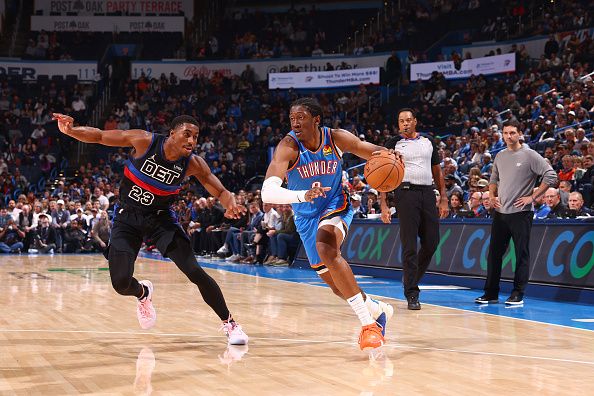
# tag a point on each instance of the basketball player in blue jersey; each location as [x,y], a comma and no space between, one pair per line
[310,158]
[152,179]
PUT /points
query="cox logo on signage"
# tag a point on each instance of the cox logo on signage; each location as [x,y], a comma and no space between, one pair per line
[578,268]
[469,260]
[365,243]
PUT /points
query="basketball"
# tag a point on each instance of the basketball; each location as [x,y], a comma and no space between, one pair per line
[383,172]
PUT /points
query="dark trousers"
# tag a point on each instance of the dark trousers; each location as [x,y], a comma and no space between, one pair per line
[418,216]
[505,226]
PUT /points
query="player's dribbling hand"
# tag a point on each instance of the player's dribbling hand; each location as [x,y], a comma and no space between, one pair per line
[316,192]
[391,151]
[235,211]
[65,122]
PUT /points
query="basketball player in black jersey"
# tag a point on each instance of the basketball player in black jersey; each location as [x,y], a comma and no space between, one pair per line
[152,178]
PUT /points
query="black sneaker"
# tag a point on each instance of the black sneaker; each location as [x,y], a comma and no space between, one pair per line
[413,303]
[484,299]
[516,298]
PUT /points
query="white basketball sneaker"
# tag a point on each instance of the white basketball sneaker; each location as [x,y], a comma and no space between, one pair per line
[380,311]
[147,316]
[235,334]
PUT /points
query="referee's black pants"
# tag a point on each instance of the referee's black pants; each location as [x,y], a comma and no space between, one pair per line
[418,217]
[516,226]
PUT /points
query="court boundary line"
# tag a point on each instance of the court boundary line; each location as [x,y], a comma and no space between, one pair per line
[296,340]
[394,298]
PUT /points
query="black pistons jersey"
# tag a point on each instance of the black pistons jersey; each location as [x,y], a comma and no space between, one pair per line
[151,182]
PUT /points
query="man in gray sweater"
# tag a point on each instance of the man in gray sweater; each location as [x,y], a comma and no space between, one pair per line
[511,191]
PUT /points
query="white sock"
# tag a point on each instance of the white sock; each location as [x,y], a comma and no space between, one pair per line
[373,306]
[358,304]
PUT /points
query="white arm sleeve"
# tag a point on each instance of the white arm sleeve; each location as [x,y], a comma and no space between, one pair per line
[272,192]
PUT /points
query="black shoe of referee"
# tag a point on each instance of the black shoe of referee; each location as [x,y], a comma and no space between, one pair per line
[485,299]
[516,298]
[413,303]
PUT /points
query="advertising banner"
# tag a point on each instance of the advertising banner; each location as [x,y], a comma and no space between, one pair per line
[107,24]
[29,70]
[567,257]
[325,79]
[92,7]
[186,70]
[488,65]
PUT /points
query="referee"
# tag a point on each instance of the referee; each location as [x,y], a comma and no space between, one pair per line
[415,202]
[511,192]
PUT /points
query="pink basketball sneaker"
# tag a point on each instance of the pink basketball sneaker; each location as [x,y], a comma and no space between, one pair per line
[147,316]
[235,334]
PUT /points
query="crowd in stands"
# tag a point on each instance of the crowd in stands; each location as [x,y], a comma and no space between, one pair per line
[417,24]
[292,33]
[241,121]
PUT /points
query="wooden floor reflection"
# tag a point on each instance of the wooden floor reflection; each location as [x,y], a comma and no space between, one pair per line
[63,330]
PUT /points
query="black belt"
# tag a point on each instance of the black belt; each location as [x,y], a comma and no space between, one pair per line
[410,186]
[141,211]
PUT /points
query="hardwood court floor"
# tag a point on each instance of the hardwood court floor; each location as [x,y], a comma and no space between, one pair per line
[64,331]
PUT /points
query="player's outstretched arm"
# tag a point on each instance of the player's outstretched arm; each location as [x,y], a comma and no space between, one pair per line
[286,154]
[347,142]
[116,138]
[199,169]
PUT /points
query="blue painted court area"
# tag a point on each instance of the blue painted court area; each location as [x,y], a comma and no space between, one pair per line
[576,315]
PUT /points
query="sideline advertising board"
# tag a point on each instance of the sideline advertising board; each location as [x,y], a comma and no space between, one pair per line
[565,259]
[29,70]
[184,70]
[487,65]
[107,24]
[325,79]
[91,7]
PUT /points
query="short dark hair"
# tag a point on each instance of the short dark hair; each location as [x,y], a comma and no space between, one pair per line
[311,104]
[414,114]
[512,123]
[184,119]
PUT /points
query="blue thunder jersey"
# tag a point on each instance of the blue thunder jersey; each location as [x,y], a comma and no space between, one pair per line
[320,168]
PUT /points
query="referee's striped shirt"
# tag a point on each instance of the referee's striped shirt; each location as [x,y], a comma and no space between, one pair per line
[419,155]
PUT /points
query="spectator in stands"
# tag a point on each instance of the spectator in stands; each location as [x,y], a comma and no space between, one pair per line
[271,221]
[576,206]
[566,173]
[13,210]
[103,200]
[455,205]
[240,248]
[372,205]
[4,217]
[541,210]
[358,210]
[60,221]
[101,231]
[283,239]
[553,201]
[475,204]
[25,224]
[11,238]
[452,186]
[76,239]
[110,123]
[44,238]
[564,190]
[487,213]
